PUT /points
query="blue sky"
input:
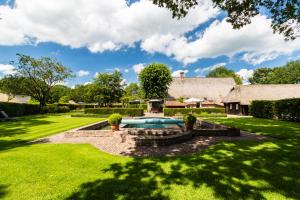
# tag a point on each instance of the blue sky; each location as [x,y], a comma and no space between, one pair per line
[98,41]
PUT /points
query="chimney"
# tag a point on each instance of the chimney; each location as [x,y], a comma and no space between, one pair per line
[182,76]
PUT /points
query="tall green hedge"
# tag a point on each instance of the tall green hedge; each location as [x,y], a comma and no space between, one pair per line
[174,111]
[262,109]
[122,111]
[288,109]
[18,109]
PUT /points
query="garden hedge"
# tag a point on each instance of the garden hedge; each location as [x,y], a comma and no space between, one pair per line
[285,109]
[174,111]
[288,109]
[262,109]
[18,109]
[122,111]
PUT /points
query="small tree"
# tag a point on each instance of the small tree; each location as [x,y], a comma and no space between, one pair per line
[37,77]
[155,80]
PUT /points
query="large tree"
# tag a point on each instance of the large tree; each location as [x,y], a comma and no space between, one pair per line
[107,88]
[155,80]
[287,74]
[37,77]
[285,14]
[224,72]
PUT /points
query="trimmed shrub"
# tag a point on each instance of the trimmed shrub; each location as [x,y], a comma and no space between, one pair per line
[262,109]
[174,111]
[189,119]
[122,111]
[288,109]
[115,119]
[17,109]
[55,109]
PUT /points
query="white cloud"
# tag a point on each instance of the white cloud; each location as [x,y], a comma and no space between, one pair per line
[87,83]
[245,74]
[124,81]
[126,70]
[177,73]
[256,40]
[82,73]
[98,25]
[6,69]
[137,68]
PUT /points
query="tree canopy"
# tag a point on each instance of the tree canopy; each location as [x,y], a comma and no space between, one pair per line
[287,74]
[106,88]
[285,15]
[155,80]
[37,77]
[224,72]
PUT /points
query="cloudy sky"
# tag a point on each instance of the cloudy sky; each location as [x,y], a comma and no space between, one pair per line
[93,36]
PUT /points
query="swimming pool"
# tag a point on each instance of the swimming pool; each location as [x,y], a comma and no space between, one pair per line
[152,123]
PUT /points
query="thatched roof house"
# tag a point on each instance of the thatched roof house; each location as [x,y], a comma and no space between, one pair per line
[213,89]
[238,99]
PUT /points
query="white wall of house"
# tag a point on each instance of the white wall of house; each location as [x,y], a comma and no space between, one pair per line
[17,99]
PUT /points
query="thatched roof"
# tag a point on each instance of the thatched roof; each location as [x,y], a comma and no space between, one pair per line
[202,88]
[174,104]
[244,94]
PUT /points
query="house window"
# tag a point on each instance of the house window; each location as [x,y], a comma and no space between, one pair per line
[237,106]
[230,106]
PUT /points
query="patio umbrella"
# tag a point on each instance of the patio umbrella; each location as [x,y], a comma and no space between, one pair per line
[191,100]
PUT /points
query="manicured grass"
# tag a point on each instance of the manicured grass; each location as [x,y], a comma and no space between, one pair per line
[31,127]
[273,128]
[228,170]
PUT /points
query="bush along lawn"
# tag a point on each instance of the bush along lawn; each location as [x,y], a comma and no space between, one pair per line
[228,170]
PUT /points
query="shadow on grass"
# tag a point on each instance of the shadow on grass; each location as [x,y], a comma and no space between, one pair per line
[3,190]
[233,170]
[13,128]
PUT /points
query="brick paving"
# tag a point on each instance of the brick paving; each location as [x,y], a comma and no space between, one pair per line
[111,142]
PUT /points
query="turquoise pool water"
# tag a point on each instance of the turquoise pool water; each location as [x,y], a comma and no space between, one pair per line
[153,123]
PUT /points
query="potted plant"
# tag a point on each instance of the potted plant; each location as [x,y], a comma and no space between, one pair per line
[189,121]
[115,120]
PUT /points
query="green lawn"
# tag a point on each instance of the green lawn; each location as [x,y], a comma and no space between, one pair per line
[228,170]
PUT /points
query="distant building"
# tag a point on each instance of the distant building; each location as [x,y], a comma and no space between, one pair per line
[210,91]
[239,98]
[16,99]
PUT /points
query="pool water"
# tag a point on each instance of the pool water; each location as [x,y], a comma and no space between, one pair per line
[153,126]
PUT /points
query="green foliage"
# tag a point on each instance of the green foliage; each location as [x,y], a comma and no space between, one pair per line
[287,74]
[284,14]
[115,119]
[180,99]
[155,80]
[10,86]
[174,111]
[106,89]
[122,111]
[189,119]
[285,109]
[60,94]
[17,109]
[37,77]
[262,109]
[288,109]
[52,108]
[78,94]
[224,72]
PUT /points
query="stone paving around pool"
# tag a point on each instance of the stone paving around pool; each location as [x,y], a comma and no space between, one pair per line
[112,142]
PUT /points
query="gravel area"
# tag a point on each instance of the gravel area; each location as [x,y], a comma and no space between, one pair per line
[111,142]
